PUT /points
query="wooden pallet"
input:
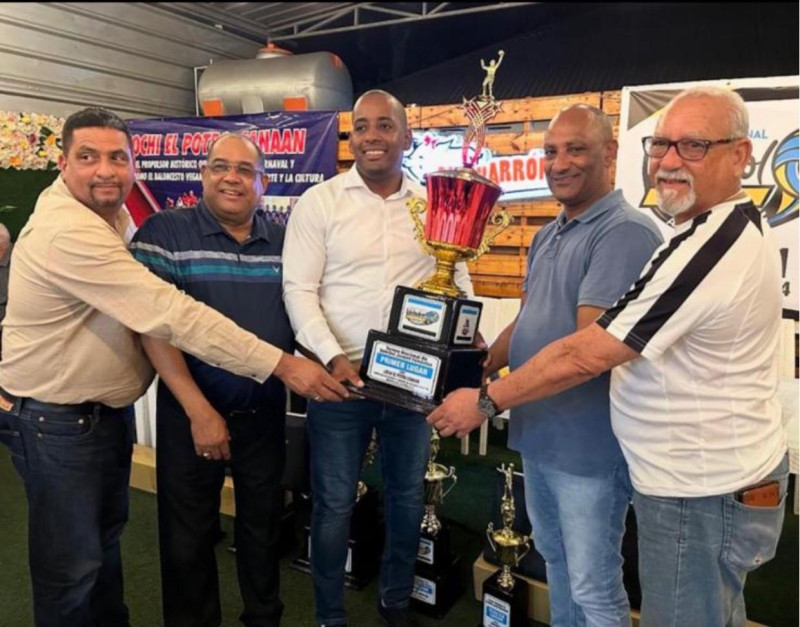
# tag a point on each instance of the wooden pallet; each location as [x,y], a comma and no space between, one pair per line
[500,272]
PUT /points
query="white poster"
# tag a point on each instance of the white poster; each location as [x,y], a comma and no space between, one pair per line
[771,180]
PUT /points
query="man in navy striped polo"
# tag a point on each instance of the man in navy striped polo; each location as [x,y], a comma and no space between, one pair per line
[693,394]
[226,255]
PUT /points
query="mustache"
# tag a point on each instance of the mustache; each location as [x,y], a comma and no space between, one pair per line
[674,175]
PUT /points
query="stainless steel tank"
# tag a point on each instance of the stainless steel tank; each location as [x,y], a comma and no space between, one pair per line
[276,80]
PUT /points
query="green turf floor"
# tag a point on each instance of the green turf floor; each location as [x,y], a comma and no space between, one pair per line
[772,591]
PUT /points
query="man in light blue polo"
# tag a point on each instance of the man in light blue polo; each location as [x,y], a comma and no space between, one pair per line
[577,488]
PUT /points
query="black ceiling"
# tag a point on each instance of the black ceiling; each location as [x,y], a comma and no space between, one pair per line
[557,48]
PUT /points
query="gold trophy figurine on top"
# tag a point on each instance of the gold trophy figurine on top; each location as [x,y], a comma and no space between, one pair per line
[504,603]
[428,350]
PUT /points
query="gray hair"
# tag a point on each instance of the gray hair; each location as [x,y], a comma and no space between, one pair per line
[735,108]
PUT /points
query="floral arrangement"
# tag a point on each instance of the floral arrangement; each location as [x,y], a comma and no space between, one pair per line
[29,141]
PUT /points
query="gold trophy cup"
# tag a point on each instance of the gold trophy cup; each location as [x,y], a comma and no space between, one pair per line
[429,348]
[436,580]
[435,492]
[504,602]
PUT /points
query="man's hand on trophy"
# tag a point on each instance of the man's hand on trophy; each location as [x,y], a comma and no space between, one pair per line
[458,414]
[344,371]
[309,379]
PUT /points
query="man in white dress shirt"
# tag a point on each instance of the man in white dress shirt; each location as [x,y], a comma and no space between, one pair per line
[349,243]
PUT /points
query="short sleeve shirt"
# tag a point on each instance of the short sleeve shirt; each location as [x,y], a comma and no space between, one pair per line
[697,415]
[589,260]
[189,248]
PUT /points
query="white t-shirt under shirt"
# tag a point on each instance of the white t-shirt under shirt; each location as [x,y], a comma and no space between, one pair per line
[697,414]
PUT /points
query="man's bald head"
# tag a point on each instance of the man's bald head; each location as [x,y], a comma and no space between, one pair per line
[595,120]
[397,107]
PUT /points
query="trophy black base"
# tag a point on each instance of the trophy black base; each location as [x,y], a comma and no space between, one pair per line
[399,398]
[364,546]
[434,551]
[414,374]
[436,590]
[504,608]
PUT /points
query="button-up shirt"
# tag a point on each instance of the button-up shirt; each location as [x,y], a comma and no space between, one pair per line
[346,250]
[77,300]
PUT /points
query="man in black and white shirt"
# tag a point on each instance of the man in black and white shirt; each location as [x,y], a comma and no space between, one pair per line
[693,394]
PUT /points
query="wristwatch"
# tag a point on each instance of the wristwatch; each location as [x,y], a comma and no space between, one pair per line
[486,405]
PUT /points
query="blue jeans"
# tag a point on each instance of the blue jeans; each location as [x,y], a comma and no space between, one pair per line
[695,553]
[76,468]
[339,434]
[578,523]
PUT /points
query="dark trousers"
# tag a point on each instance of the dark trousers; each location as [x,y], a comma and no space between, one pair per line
[188,509]
[76,469]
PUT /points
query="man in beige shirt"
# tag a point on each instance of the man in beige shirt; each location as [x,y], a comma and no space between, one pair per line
[73,364]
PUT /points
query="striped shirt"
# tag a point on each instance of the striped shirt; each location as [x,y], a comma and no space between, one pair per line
[698,415]
[189,248]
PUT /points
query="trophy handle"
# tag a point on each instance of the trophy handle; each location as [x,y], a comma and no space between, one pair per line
[528,546]
[500,220]
[416,207]
[452,475]
[489,532]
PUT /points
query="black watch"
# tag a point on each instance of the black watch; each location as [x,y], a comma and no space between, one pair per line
[486,405]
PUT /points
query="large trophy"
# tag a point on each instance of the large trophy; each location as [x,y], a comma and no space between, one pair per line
[436,580]
[505,600]
[428,350]
[366,534]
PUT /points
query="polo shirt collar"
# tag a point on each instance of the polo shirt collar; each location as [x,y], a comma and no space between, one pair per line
[210,226]
[612,199]
[352,179]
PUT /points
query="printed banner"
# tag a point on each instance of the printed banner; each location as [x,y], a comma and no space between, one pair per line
[771,180]
[300,150]
[520,176]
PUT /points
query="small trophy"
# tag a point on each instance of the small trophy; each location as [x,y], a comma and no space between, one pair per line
[436,580]
[428,350]
[366,534]
[505,601]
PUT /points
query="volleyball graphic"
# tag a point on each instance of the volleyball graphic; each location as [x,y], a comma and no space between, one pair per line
[783,206]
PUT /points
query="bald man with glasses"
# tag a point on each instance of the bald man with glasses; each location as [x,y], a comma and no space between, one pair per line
[694,346]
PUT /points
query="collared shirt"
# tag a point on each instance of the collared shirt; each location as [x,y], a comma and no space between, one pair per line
[77,299]
[346,251]
[591,260]
[697,415]
[189,248]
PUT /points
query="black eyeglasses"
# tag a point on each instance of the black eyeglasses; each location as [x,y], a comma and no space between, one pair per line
[688,149]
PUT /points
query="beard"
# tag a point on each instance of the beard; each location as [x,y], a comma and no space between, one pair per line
[671,201]
[107,201]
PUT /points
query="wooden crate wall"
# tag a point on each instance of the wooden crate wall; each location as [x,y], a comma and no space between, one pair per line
[500,271]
